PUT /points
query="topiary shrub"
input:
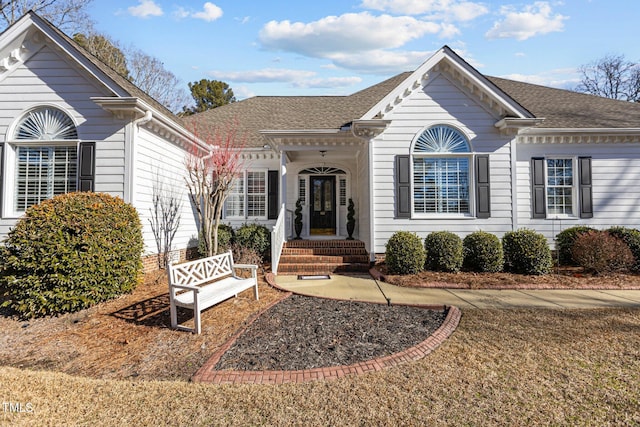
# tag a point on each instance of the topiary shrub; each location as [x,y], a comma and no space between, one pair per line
[69,253]
[443,252]
[226,237]
[564,242]
[482,252]
[256,237]
[631,237]
[404,253]
[526,252]
[599,252]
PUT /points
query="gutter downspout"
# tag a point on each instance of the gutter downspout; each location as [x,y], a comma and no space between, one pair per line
[135,127]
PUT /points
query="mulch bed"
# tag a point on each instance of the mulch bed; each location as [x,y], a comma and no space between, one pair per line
[305,333]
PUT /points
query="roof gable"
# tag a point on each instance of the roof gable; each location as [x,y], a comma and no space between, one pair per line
[447,61]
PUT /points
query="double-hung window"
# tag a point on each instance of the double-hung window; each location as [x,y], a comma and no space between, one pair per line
[248,196]
[561,187]
[441,172]
[41,159]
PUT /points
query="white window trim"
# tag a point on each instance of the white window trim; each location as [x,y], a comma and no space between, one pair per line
[245,215]
[574,187]
[471,175]
[9,180]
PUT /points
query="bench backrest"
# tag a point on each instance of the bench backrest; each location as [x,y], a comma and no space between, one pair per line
[202,270]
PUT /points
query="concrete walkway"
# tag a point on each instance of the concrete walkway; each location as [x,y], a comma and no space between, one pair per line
[364,288]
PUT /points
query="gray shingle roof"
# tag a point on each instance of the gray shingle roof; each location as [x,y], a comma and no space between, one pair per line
[293,112]
[566,109]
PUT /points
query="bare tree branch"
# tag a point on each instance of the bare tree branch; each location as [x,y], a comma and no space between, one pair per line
[70,16]
[611,76]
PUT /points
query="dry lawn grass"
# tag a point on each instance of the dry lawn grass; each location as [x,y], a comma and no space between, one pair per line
[128,337]
[501,367]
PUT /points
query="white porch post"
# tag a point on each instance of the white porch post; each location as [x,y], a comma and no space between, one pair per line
[283,179]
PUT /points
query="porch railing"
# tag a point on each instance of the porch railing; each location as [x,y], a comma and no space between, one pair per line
[278,238]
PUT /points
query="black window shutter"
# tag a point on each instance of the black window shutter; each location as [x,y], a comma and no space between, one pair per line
[483,191]
[538,204]
[272,195]
[86,166]
[403,186]
[585,187]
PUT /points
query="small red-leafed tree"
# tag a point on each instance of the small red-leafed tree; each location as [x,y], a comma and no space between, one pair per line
[211,171]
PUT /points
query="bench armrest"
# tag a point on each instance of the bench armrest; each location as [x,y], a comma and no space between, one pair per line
[196,289]
[251,266]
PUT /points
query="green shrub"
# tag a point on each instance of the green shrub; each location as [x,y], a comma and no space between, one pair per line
[443,252]
[564,242]
[256,237]
[226,238]
[69,253]
[526,252]
[631,237]
[482,252]
[600,252]
[404,253]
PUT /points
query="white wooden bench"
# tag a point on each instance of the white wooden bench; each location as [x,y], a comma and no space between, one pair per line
[200,284]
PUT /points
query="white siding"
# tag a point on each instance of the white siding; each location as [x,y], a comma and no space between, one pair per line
[47,78]
[441,102]
[615,175]
[161,163]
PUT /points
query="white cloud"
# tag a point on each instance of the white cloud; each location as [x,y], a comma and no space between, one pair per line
[447,10]
[210,13]
[264,75]
[327,83]
[562,78]
[243,92]
[296,78]
[145,9]
[380,61]
[348,33]
[533,20]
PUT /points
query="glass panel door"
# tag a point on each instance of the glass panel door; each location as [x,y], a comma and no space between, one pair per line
[322,206]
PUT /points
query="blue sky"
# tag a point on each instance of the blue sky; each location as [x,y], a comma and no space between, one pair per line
[337,47]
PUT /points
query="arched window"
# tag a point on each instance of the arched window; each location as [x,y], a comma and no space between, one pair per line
[441,172]
[45,157]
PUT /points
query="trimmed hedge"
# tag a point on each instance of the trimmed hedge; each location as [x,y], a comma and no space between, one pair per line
[482,252]
[600,252]
[526,252]
[69,253]
[443,252]
[565,240]
[631,237]
[404,253]
[256,237]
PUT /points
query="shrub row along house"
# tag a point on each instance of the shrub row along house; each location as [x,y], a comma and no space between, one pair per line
[441,148]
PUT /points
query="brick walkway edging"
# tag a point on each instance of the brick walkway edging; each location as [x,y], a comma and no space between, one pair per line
[208,374]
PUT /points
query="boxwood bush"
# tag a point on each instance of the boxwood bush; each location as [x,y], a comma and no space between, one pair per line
[443,252]
[256,237]
[564,243]
[631,237]
[226,237]
[482,252]
[69,253]
[526,252]
[600,252]
[404,253]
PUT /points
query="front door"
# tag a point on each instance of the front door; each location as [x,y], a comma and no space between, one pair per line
[323,205]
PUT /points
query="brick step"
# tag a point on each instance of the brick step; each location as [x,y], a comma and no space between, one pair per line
[311,269]
[324,259]
[324,251]
[335,243]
